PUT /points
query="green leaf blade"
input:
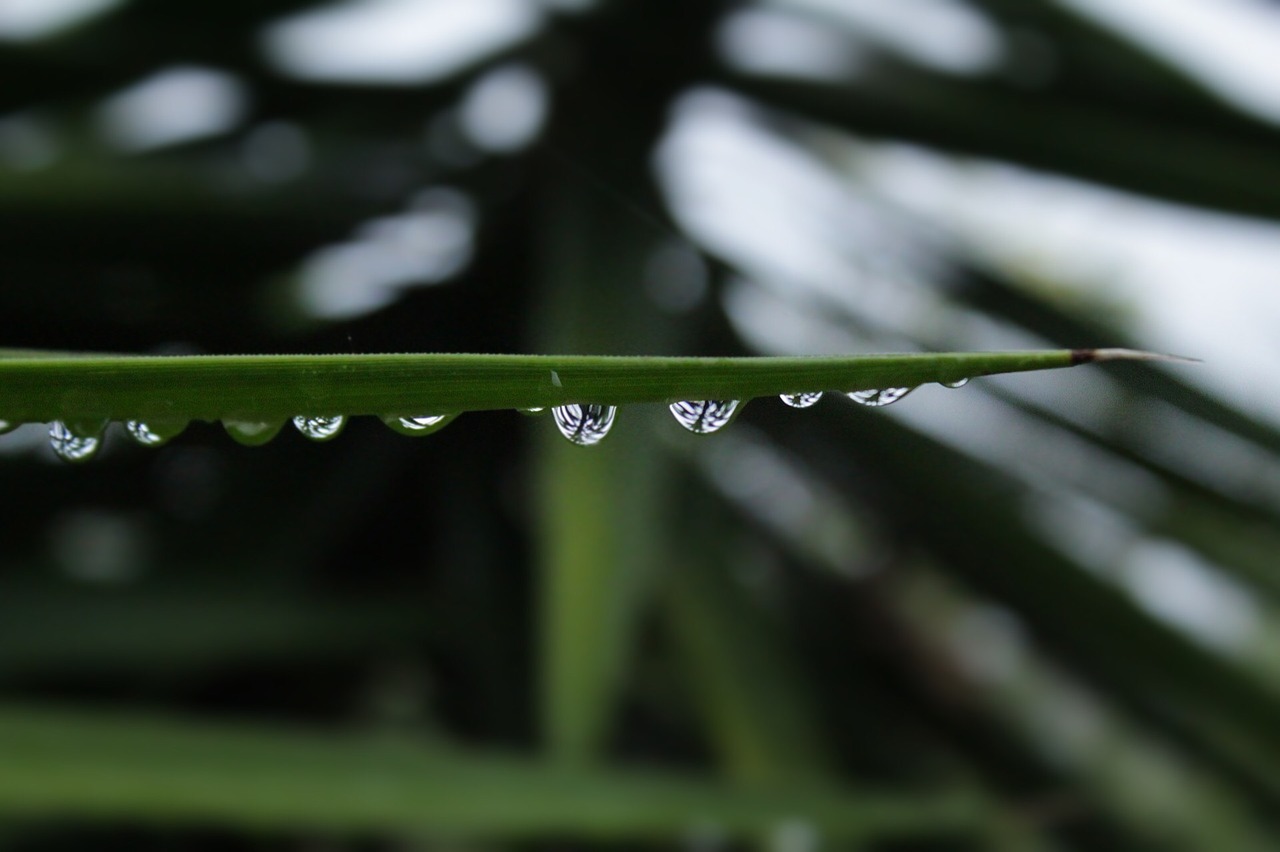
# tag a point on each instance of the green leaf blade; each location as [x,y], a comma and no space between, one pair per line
[41,389]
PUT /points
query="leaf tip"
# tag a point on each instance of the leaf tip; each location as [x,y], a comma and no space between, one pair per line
[1090,356]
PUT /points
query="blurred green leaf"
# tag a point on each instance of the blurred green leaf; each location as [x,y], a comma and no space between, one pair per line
[61,765]
[756,705]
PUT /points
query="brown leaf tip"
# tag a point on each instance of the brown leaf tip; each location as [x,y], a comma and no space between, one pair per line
[1088,356]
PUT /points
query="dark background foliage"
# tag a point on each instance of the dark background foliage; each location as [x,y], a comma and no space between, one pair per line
[964,601]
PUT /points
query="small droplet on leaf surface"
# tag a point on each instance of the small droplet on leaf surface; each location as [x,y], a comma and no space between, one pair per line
[532,412]
[252,433]
[418,424]
[8,426]
[584,425]
[75,442]
[320,427]
[802,400]
[958,383]
[153,433]
[704,416]
[879,397]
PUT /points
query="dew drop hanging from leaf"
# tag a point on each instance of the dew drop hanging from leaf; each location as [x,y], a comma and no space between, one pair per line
[878,397]
[252,433]
[75,442]
[584,425]
[801,400]
[153,433]
[320,428]
[704,416]
[416,426]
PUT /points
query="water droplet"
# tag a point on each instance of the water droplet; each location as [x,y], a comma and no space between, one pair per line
[75,442]
[878,397]
[801,400]
[584,425]
[533,412]
[8,426]
[252,433]
[958,383]
[318,427]
[704,416]
[419,424]
[153,433]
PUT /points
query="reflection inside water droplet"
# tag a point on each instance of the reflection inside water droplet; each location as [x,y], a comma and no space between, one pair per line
[584,425]
[319,427]
[142,433]
[252,433]
[704,416]
[75,442]
[801,400]
[422,421]
[958,383]
[153,433]
[418,424]
[878,397]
